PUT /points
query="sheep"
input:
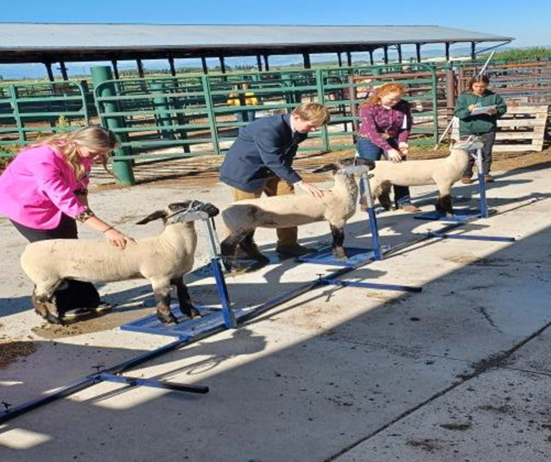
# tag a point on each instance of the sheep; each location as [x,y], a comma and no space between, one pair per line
[443,172]
[337,206]
[163,260]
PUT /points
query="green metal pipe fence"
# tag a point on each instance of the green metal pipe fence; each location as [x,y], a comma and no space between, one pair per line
[179,117]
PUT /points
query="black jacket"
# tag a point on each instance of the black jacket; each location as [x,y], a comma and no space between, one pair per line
[263,149]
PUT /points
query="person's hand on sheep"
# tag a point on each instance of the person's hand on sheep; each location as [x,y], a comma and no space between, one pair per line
[310,188]
[403,147]
[394,155]
[116,238]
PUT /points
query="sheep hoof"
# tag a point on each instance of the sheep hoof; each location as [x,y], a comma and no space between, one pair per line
[192,312]
[339,254]
[49,317]
[167,318]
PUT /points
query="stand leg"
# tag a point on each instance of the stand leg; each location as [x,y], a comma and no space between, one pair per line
[371,285]
[481,185]
[372,219]
[229,317]
[134,381]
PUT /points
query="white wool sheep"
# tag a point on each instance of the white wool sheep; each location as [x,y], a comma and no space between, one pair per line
[163,260]
[443,172]
[337,206]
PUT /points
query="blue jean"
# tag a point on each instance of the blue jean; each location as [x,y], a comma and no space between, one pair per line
[369,150]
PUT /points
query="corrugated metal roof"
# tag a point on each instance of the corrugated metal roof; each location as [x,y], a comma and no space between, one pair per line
[28,36]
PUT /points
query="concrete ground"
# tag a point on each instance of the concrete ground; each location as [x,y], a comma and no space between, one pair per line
[458,372]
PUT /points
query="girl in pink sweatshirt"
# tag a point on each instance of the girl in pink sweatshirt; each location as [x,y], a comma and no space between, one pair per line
[43,192]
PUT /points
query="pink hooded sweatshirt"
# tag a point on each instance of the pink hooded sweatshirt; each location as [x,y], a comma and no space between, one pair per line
[38,186]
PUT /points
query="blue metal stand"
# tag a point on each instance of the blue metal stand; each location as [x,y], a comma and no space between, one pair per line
[470,237]
[464,215]
[371,285]
[354,255]
[112,375]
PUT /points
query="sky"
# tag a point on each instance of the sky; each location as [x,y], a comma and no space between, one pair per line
[527,21]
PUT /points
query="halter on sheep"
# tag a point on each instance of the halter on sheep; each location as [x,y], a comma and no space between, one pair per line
[163,260]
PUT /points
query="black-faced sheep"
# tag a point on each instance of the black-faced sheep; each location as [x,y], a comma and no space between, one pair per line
[163,260]
[443,172]
[337,206]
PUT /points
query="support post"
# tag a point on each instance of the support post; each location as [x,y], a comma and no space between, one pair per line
[121,167]
[115,65]
[49,71]
[63,70]
[259,63]
[172,67]
[139,64]
[162,111]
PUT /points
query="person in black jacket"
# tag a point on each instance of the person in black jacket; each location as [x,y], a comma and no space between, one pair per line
[260,161]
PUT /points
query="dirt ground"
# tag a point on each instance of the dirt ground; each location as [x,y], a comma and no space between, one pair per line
[203,172]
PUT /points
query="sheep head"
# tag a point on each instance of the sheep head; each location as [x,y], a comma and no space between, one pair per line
[347,163]
[472,143]
[179,212]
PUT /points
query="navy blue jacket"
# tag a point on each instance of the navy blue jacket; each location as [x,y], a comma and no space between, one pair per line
[264,148]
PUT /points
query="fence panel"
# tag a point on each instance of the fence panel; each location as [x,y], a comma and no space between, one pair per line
[29,112]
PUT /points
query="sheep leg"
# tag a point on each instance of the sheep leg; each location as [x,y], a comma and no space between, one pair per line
[161,291]
[338,241]
[444,202]
[228,249]
[444,205]
[186,306]
[249,247]
[384,197]
[44,303]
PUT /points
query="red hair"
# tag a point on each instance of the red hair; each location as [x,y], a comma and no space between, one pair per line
[382,91]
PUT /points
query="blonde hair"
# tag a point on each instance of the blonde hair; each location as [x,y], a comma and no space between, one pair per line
[313,112]
[94,137]
[384,90]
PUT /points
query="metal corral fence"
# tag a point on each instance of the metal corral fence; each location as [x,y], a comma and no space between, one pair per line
[521,83]
[29,111]
[166,118]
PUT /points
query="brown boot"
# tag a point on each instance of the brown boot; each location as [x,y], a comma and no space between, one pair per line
[295,250]
[410,208]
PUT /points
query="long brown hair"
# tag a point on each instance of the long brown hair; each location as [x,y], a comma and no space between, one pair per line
[94,137]
[382,91]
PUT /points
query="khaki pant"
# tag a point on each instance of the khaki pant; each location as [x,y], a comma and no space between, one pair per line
[274,187]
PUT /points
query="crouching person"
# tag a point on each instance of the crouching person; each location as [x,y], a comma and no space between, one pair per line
[384,130]
[260,161]
[44,194]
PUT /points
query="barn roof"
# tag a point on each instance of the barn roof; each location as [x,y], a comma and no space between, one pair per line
[49,42]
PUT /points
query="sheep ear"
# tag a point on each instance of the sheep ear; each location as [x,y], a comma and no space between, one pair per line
[361,161]
[153,216]
[326,168]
